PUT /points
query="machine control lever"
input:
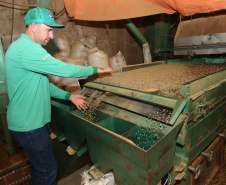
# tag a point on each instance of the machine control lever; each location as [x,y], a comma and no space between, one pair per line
[209,156]
[196,170]
[203,105]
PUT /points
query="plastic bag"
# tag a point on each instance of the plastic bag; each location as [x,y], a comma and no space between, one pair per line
[117,61]
[107,179]
[147,53]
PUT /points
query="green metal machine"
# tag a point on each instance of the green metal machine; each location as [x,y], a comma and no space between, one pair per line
[145,138]
[4,100]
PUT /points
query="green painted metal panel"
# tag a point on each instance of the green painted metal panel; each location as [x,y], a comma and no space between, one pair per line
[134,94]
[162,167]
[202,132]
[206,129]
[70,125]
[207,82]
[150,34]
[103,163]
[117,143]
[203,104]
[178,159]
[82,150]
[67,163]
[116,125]
[3,92]
[179,107]
[165,144]
[128,172]
[162,30]
[4,101]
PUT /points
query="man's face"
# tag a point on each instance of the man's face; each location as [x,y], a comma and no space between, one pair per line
[43,34]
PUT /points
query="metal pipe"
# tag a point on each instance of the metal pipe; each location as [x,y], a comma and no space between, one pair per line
[135,31]
[141,39]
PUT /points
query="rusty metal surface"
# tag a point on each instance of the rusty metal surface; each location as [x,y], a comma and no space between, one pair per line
[209,169]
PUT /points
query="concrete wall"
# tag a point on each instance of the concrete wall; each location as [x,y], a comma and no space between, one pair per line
[112,35]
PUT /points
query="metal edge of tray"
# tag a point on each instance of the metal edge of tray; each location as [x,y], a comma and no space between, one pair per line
[135,94]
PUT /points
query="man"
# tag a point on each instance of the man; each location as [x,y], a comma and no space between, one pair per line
[27,65]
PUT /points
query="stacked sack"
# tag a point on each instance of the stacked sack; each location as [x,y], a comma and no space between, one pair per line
[68,84]
[118,61]
[82,52]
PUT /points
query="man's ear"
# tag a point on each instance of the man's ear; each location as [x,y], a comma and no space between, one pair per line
[34,27]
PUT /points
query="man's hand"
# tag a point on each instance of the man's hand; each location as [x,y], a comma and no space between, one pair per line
[79,101]
[104,70]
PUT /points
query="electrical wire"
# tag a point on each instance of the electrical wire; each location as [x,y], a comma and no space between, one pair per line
[11,39]
[35,5]
[12,7]
[59,12]
[57,15]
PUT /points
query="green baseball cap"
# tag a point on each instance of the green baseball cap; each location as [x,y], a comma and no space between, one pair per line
[41,15]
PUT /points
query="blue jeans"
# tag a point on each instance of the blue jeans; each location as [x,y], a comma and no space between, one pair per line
[37,145]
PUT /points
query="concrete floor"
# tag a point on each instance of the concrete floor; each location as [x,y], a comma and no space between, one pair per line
[74,178]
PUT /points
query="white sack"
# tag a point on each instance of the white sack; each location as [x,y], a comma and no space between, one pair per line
[117,61]
[79,50]
[63,44]
[97,58]
[147,53]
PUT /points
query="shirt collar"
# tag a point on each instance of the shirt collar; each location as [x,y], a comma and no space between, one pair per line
[26,36]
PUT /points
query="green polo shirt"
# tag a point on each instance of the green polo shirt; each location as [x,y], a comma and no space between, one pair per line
[26,65]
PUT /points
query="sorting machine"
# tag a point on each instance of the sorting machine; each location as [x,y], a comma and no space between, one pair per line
[146,137]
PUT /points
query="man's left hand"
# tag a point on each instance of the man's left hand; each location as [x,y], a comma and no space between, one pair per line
[79,101]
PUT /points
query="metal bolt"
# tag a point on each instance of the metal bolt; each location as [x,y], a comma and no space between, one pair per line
[209,156]
[224,136]
[196,170]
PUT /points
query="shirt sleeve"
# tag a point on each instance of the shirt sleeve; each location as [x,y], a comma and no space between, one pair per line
[37,59]
[56,92]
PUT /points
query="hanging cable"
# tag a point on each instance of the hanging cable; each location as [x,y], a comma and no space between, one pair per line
[31,6]
[12,7]
[59,12]
[11,39]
